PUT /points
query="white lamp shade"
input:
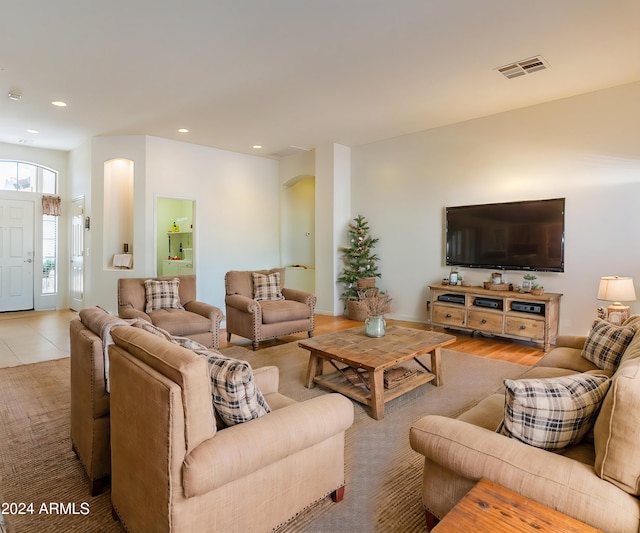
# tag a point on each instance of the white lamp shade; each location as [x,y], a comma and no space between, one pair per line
[616,289]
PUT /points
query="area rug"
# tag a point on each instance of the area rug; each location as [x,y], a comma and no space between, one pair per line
[383,474]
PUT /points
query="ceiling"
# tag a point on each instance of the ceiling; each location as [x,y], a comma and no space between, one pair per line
[291,74]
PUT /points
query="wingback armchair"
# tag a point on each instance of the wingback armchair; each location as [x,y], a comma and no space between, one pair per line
[179,314]
[259,307]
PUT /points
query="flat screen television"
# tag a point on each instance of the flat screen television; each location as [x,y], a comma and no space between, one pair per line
[526,235]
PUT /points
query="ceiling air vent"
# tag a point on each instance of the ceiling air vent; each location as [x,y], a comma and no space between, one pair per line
[526,66]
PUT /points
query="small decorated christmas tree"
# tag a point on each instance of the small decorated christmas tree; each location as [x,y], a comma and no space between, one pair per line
[360,261]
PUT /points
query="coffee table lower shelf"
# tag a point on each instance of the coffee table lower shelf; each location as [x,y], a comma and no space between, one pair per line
[337,382]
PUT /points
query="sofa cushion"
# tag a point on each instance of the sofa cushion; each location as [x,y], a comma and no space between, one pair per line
[606,343]
[616,431]
[180,322]
[274,312]
[267,286]
[565,357]
[552,413]
[162,294]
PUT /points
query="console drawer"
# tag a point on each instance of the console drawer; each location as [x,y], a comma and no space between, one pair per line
[449,315]
[483,321]
[524,327]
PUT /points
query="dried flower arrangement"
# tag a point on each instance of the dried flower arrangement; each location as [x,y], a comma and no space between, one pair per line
[377,302]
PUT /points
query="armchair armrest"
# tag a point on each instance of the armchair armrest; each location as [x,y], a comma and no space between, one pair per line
[130,312]
[267,378]
[205,310]
[240,450]
[242,303]
[299,296]
[571,341]
[560,482]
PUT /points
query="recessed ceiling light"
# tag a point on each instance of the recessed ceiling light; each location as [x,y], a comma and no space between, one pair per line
[183,130]
[59,103]
[14,95]
[33,131]
[257,146]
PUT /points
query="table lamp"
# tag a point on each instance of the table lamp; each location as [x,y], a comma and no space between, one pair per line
[617,289]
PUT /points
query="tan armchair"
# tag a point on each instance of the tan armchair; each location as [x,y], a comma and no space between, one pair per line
[89,397]
[265,319]
[173,470]
[196,320]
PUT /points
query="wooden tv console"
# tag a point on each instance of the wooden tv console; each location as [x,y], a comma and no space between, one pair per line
[508,314]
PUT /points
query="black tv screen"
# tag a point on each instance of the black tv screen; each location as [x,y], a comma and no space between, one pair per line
[525,235]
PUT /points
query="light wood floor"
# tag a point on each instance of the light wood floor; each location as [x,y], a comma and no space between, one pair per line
[524,353]
[33,336]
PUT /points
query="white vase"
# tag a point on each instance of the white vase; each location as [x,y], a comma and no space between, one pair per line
[375,326]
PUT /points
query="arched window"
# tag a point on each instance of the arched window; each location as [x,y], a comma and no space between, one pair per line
[27,177]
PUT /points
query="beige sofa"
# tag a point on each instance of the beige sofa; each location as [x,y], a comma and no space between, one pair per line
[596,481]
[260,320]
[196,320]
[174,470]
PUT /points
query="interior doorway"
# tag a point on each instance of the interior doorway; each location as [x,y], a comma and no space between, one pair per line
[175,243]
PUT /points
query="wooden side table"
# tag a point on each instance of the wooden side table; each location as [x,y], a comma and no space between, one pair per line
[491,508]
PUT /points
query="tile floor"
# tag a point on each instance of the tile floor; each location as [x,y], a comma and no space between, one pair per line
[34,336]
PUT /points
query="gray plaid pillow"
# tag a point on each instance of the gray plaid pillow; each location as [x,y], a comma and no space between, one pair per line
[606,343]
[267,286]
[162,294]
[552,413]
[236,397]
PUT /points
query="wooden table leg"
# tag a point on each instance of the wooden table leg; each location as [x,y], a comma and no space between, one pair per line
[436,366]
[376,384]
[314,369]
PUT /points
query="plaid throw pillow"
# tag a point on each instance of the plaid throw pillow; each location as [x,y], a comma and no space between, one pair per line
[236,397]
[606,343]
[267,286]
[162,294]
[552,413]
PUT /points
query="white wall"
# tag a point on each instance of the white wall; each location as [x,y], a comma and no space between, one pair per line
[583,148]
[235,218]
[236,208]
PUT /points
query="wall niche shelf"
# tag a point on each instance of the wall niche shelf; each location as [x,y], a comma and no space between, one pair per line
[509,314]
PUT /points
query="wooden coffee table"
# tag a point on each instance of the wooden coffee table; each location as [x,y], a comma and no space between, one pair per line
[351,351]
[491,508]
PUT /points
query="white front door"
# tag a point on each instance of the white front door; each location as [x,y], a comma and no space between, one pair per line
[76,285]
[16,255]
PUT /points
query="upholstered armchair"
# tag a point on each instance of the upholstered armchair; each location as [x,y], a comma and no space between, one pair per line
[175,470]
[258,307]
[172,306]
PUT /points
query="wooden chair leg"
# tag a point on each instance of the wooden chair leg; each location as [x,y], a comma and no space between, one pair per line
[432,520]
[114,515]
[254,345]
[228,336]
[338,494]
